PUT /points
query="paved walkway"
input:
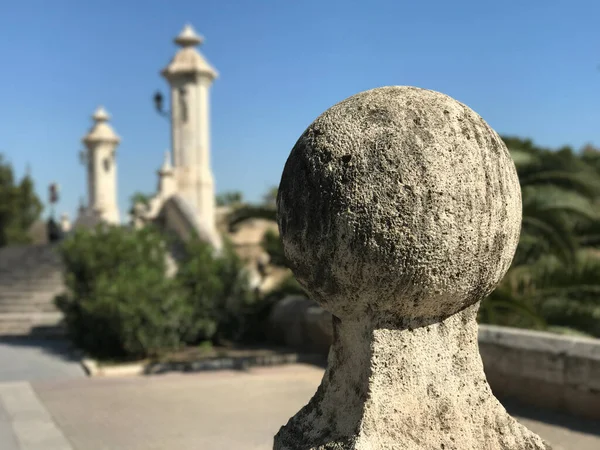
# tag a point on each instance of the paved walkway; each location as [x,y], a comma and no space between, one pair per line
[25,359]
[25,424]
[217,411]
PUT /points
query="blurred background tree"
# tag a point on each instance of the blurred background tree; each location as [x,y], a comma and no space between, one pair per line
[231,198]
[554,280]
[139,199]
[20,207]
[270,198]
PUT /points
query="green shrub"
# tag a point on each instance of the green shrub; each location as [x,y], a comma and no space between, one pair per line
[218,291]
[119,302]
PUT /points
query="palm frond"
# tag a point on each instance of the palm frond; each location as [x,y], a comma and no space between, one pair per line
[554,233]
[523,159]
[586,184]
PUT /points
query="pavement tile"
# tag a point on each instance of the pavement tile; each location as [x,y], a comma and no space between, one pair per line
[32,425]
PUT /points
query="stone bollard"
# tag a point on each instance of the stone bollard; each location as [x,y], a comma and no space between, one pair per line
[399,210]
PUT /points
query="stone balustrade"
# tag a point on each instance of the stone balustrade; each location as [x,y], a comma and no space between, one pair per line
[399,211]
[538,368]
[551,371]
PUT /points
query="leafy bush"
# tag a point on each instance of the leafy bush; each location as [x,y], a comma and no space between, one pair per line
[119,302]
[217,289]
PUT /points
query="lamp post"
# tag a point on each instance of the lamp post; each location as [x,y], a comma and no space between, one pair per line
[53,196]
[159,105]
[53,191]
[183,100]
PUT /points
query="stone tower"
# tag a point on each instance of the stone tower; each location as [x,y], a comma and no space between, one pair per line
[190,77]
[101,143]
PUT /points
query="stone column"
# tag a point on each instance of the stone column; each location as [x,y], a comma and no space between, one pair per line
[101,143]
[400,210]
[190,77]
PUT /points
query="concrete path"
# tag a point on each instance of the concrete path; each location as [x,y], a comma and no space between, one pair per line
[25,359]
[217,411]
[25,423]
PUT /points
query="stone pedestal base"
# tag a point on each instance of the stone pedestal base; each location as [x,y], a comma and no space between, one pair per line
[411,386]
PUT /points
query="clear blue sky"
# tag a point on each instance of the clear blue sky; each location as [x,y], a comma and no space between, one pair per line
[530,68]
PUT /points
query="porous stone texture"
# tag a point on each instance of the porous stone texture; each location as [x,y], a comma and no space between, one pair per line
[399,210]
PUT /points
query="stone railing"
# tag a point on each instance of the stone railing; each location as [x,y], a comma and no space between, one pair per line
[399,210]
[537,368]
[543,369]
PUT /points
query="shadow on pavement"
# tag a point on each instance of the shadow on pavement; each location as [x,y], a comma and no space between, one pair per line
[242,363]
[54,346]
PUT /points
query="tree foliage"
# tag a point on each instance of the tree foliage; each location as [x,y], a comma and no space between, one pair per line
[270,197]
[231,198]
[554,280]
[20,207]
[139,200]
[555,276]
[242,212]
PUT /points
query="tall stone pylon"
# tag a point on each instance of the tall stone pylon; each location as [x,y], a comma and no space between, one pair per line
[101,143]
[190,77]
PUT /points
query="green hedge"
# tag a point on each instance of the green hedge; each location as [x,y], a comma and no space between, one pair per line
[121,304]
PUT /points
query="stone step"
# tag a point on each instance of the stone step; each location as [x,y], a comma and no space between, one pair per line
[27,307]
[27,302]
[24,291]
[30,275]
[25,324]
[30,293]
[42,297]
[39,331]
[23,266]
[20,266]
[33,282]
[32,261]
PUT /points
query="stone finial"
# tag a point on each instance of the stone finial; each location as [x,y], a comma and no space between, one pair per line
[188,37]
[399,210]
[188,60]
[100,115]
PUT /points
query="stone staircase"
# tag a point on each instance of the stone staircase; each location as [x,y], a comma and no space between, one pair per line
[30,278]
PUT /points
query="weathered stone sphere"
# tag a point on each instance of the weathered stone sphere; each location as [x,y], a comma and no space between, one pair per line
[399,202]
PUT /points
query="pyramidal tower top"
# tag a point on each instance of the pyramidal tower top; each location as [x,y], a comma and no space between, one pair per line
[101,131]
[188,60]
